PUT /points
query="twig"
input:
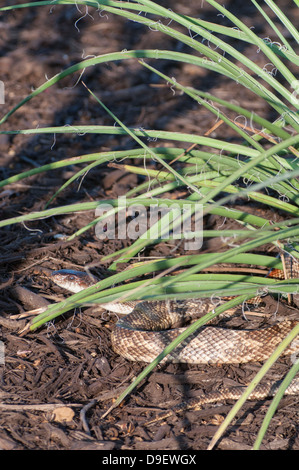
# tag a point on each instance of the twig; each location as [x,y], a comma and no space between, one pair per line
[36,407]
[83,415]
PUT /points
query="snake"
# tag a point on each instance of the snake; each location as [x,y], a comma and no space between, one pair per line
[145,328]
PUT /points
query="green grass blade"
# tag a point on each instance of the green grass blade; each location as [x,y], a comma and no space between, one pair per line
[275,402]
[285,21]
[143,145]
[114,56]
[191,329]
[286,233]
[206,104]
[260,374]
[227,64]
[284,70]
[218,63]
[144,269]
[152,134]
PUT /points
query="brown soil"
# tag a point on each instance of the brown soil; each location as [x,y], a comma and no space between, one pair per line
[70,361]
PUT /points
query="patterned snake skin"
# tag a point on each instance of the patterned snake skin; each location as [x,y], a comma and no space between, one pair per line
[145,330]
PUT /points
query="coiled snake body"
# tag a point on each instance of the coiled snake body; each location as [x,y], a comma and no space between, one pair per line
[145,330]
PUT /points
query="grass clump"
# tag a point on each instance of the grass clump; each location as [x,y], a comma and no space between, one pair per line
[262,166]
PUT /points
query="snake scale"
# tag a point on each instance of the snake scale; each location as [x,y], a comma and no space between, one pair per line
[148,326]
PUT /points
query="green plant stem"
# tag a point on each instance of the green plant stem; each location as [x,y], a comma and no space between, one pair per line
[260,374]
[191,329]
[275,402]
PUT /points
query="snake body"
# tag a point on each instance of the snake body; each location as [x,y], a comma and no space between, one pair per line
[147,328]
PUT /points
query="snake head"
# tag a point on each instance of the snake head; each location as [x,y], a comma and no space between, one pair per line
[73,281]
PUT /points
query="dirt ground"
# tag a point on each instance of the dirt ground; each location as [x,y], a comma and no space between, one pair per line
[57,382]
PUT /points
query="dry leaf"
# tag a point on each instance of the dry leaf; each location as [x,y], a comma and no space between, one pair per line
[63,414]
